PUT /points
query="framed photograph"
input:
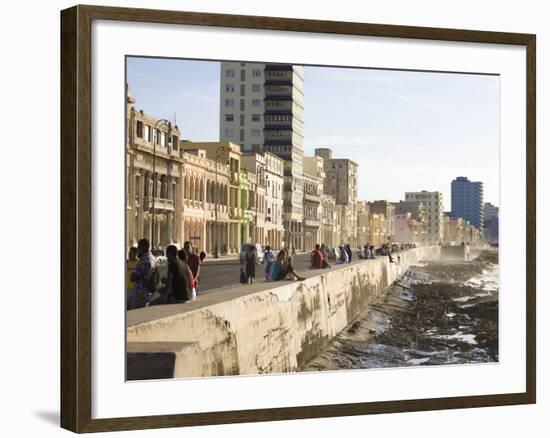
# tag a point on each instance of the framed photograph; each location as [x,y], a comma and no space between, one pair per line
[268,218]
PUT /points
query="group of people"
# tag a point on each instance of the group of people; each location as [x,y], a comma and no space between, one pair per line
[367,252]
[345,254]
[275,268]
[319,257]
[144,285]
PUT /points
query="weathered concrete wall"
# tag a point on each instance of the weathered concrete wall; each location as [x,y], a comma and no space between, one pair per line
[274,330]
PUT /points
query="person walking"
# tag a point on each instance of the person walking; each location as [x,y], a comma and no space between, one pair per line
[250,264]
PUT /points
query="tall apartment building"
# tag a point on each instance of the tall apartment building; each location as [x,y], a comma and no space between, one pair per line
[261,109]
[341,182]
[433,204]
[467,200]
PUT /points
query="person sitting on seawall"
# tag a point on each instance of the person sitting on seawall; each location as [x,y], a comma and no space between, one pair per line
[145,277]
[343,257]
[349,251]
[317,258]
[323,250]
[283,268]
[182,255]
[177,286]
[131,263]
[269,259]
[194,262]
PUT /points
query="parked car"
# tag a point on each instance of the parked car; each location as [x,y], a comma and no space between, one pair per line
[160,256]
[244,250]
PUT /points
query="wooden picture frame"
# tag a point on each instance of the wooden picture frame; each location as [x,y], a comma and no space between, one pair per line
[76,218]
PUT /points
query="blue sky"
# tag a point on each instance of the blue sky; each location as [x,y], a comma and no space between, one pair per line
[408,131]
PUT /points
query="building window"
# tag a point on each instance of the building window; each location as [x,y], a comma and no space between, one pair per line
[163,139]
[175,141]
[229,103]
[256,103]
[256,88]
[255,132]
[139,129]
[147,132]
[229,117]
[229,88]
[228,132]
[256,73]
[255,117]
[230,73]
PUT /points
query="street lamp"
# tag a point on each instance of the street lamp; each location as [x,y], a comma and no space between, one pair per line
[222,153]
[159,123]
[260,170]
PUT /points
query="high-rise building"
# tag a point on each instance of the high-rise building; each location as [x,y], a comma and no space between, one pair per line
[261,109]
[433,204]
[467,200]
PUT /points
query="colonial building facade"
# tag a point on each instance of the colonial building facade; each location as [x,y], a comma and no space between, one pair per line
[314,177]
[153,179]
[221,205]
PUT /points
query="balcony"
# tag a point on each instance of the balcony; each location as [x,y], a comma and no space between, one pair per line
[160,204]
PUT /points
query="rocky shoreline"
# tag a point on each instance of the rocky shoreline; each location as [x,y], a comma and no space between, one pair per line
[438,313]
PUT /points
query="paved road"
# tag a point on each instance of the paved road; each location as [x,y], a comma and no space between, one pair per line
[216,274]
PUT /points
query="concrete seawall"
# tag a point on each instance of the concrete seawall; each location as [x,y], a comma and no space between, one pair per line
[263,328]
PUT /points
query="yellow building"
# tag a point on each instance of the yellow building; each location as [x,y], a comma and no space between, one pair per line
[225,193]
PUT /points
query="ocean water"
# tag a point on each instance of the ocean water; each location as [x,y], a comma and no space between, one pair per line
[437,313]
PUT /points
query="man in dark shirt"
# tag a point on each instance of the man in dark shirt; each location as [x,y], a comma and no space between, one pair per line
[179,280]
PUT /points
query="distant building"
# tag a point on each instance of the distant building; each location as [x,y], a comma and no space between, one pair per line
[433,203]
[453,230]
[341,182]
[331,234]
[467,200]
[363,222]
[407,229]
[388,210]
[268,170]
[314,176]
[490,222]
